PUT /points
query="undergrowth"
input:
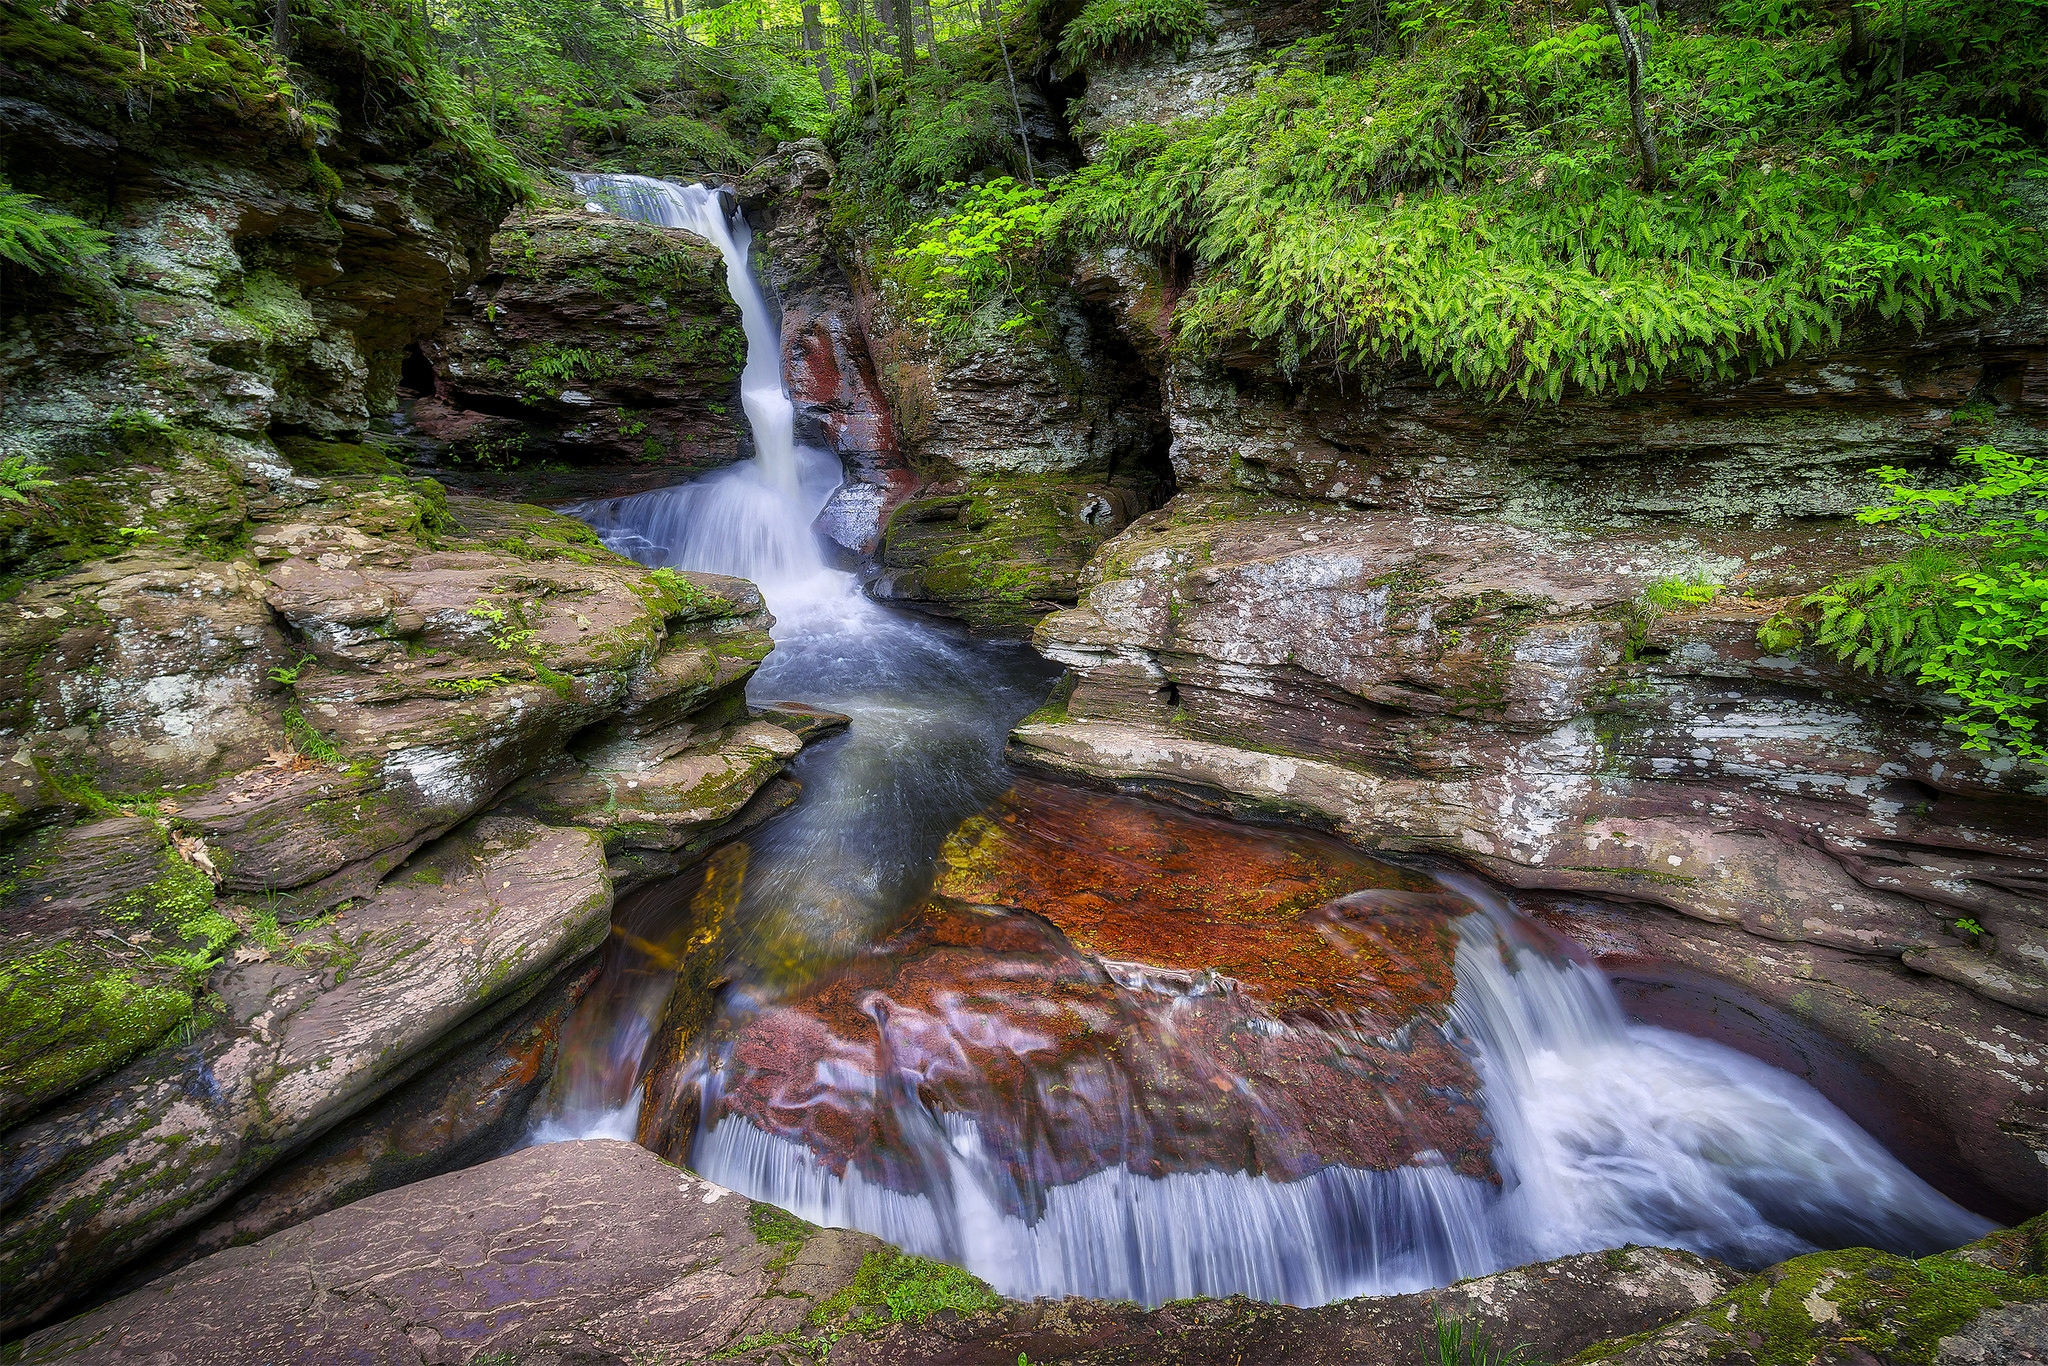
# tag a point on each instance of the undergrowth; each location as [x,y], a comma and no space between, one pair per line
[1967,610]
[1456,186]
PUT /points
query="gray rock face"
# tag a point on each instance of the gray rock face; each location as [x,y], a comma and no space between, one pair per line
[599,1252]
[478,922]
[1508,698]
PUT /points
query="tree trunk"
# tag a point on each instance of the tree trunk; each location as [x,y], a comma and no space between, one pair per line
[1899,78]
[814,43]
[867,50]
[1030,173]
[1632,54]
[281,27]
[1859,34]
[906,36]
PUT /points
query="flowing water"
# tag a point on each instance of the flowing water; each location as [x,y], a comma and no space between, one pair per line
[1600,1132]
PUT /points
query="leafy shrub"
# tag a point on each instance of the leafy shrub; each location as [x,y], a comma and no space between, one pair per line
[1967,611]
[985,250]
[1117,30]
[45,241]
[1470,200]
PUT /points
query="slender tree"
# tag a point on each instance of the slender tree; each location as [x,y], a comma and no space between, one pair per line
[1016,105]
[906,36]
[1633,55]
[1898,78]
[814,43]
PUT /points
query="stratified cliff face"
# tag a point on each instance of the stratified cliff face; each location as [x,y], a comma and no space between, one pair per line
[1482,633]
[310,816]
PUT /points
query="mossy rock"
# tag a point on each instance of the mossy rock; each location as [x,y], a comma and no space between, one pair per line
[328,459]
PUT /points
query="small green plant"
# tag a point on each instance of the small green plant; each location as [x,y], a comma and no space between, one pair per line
[1688,590]
[309,741]
[1781,633]
[1970,927]
[290,675]
[1456,1342]
[506,630]
[1967,610]
[19,477]
[45,241]
[473,687]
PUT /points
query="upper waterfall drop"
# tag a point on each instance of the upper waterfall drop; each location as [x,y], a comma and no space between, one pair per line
[754,519]
[701,210]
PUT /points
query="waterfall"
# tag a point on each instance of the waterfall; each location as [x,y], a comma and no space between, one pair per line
[703,211]
[1605,1133]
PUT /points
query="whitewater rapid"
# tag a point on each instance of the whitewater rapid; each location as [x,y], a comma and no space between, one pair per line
[1605,1133]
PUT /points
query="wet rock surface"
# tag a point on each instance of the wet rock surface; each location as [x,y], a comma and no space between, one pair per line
[1221,999]
[382,665]
[593,356]
[825,359]
[119,1167]
[1512,699]
[598,1252]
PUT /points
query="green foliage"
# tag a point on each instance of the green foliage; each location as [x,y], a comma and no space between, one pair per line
[44,241]
[550,367]
[631,86]
[1672,594]
[1466,198]
[1117,30]
[1781,633]
[1967,610]
[987,251]
[893,1287]
[505,626]
[308,740]
[289,675]
[1455,1342]
[1970,927]
[20,476]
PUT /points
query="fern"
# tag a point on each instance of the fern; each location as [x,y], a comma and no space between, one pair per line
[1966,611]
[45,241]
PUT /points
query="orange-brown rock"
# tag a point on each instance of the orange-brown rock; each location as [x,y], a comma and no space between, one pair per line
[1272,909]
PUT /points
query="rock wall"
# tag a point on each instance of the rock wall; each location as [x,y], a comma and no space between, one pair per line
[1474,666]
[1524,641]
[592,356]
[316,784]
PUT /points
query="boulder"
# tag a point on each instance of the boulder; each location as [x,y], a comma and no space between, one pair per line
[466,932]
[596,1251]
[591,340]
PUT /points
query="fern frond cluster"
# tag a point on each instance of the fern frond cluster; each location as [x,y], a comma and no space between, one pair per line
[1967,610]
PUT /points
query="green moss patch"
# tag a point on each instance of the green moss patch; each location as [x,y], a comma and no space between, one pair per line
[68,1015]
[894,1287]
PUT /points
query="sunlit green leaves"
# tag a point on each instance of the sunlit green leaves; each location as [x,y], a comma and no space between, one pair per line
[1968,611]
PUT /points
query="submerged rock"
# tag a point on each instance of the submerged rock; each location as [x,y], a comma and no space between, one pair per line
[598,1251]
[1100,983]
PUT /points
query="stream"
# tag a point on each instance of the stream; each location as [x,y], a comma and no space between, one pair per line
[1052,1099]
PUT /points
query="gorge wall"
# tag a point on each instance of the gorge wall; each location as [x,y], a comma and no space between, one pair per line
[1521,640]
[319,783]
